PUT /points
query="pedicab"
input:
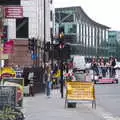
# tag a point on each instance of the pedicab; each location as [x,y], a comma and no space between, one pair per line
[105,76]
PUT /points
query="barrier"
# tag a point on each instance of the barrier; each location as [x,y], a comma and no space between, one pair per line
[77,91]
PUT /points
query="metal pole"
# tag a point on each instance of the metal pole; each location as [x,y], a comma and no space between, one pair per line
[61,72]
[52,50]
[44,56]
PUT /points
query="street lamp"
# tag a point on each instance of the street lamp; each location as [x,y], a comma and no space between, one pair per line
[44,55]
[61,45]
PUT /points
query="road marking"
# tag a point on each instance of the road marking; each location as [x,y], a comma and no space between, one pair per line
[101,112]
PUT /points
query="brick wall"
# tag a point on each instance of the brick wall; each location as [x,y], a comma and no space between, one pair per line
[21,55]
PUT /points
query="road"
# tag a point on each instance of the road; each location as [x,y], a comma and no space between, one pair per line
[108,99]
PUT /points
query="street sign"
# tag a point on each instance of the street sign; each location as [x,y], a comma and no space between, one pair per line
[13,12]
[34,56]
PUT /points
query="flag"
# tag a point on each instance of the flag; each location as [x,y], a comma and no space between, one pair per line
[8,47]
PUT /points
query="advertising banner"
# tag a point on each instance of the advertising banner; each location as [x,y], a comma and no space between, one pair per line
[8,47]
[80,91]
[13,12]
[19,84]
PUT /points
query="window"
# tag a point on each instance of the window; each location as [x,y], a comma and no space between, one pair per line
[61,29]
[70,28]
[51,16]
[67,17]
[9,2]
[22,28]
[51,1]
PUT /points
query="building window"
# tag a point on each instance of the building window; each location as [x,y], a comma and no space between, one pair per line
[67,17]
[70,28]
[51,15]
[51,1]
[22,28]
[9,2]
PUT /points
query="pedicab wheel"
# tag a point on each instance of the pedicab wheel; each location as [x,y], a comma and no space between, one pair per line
[71,105]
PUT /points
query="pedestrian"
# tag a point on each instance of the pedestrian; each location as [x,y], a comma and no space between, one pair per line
[47,79]
[95,67]
[31,83]
[49,85]
[103,67]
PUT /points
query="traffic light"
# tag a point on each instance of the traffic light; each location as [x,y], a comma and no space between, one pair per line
[4,37]
[61,38]
[47,46]
[55,52]
[67,51]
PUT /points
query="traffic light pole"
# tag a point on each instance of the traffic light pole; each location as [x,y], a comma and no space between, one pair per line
[44,55]
[61,73]
[52,50]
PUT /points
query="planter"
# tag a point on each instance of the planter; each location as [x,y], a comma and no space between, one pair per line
[9,113]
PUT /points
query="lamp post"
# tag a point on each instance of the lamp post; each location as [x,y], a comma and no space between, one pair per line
[44,55]
[61,42]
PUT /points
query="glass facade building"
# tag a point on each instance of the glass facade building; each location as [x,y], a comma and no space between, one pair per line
[114,43]
[86,36]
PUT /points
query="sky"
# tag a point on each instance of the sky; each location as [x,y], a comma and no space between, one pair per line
[106,12]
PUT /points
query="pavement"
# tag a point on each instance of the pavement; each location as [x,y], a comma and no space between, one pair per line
[40,107]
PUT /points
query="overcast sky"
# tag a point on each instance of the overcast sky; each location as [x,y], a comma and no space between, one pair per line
[106,12]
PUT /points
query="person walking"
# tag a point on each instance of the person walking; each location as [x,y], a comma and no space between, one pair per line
[49,85]
[31,83]
[47,81]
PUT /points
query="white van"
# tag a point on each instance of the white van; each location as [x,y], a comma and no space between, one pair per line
[79,62]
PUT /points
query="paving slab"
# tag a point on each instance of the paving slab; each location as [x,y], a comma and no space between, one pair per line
[40,107]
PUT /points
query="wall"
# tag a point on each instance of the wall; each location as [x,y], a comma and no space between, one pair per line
[34,10]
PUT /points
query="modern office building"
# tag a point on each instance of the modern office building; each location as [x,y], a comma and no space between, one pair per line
[114,43]
[32,24]
[86,36]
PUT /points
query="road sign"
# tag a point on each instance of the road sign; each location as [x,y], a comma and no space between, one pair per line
[34,56]
[13,12]
[80,91]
